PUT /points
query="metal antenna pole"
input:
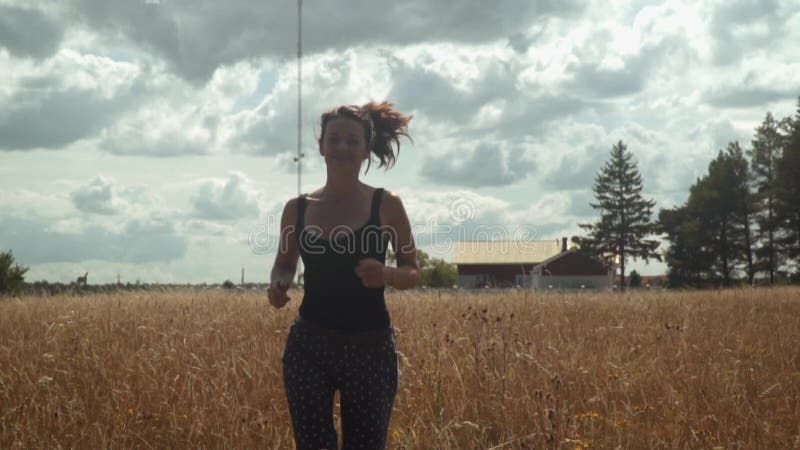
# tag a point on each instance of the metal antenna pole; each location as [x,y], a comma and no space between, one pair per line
[299,157]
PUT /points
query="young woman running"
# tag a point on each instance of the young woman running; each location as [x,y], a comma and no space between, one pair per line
[342,338]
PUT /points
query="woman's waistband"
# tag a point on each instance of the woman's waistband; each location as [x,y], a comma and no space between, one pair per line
[345,337]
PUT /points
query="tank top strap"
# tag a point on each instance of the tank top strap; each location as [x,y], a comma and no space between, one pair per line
[377,196]
[301,213]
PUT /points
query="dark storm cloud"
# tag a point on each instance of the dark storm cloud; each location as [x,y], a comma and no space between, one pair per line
[139,242]
[486,165]
[53,118]
[28,32]
[196,37]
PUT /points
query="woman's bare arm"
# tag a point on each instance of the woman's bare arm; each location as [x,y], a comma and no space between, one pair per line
[285,266]
[406,275]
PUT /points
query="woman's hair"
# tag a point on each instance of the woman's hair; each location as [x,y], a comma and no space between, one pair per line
[382,125]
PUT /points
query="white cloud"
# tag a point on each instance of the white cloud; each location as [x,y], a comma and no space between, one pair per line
[96,196]
[486,164]
[197,38]
[174,135]
[69,98]
[516,105]
[229,199]
[352,77]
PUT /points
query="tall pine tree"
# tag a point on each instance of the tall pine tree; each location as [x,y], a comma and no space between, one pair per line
[715,222]
[743,206]
[624,214]
[689,257]
[788,194]
[768,144]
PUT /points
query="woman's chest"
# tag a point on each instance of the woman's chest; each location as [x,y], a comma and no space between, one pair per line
[331,221]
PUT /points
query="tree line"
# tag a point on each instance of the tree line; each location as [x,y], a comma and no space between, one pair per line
[739,225]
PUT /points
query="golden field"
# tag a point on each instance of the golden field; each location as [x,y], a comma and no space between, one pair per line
[479,370]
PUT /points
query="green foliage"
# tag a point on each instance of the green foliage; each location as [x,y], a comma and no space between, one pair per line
[768,144]
[12,275]
[435,272]
[688,261]
[710,235]
[635,279]
[624,214]
[741,218]
[788,192]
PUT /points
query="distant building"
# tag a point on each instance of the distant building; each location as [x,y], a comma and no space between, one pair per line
[573,270]
[545,264]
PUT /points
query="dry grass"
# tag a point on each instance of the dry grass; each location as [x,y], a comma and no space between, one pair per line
[500,370]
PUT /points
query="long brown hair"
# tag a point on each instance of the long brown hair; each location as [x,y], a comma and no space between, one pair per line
[383,125]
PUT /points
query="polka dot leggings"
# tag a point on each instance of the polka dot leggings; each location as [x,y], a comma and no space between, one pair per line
[363,370]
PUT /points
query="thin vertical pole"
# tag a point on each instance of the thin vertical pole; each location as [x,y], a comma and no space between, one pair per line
[299,157]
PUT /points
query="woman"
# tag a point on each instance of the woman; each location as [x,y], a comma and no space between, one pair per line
[342,338]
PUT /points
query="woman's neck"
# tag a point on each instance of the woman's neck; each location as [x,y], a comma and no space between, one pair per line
[340,188]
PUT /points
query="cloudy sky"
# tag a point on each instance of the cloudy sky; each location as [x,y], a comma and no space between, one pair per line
[154,138]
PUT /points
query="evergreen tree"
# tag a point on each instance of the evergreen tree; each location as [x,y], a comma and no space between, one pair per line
[635,280]
[710,236]
[744,205]
[720,201]
[624,214]
[688,257]
[12,275]
[788,193]
[764,156]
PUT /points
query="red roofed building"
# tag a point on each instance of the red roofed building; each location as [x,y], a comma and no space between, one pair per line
[500,263]
[537,264]
[572,270]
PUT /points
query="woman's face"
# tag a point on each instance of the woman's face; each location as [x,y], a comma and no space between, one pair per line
[343,144]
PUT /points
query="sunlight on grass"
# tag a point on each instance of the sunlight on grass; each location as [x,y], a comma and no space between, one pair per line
[479,370]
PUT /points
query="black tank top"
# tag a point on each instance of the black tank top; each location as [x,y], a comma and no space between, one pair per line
[334,296]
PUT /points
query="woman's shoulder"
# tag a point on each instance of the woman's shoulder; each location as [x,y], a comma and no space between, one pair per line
[392,208]
[391,198]
[291,206]
[312,195]
[290,209]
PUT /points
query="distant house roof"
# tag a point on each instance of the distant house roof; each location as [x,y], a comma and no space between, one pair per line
[572,263]
[505,252]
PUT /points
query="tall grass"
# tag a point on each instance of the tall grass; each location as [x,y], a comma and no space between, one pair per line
[479,370]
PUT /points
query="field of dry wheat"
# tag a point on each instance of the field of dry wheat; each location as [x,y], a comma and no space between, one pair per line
[479,370]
